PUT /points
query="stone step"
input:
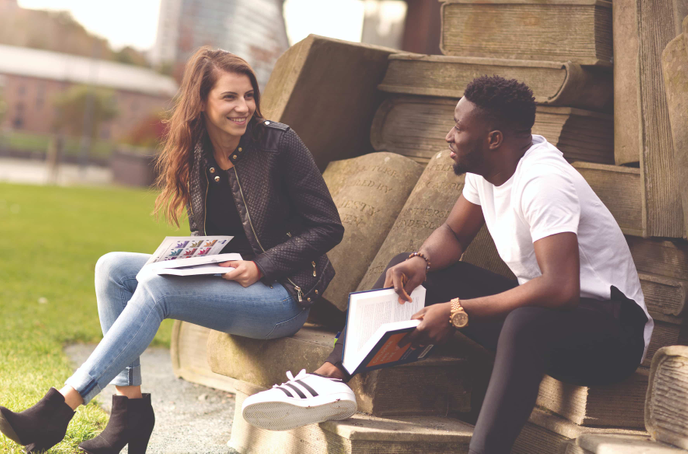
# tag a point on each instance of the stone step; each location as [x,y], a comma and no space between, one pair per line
[435,385]
[620,405]
[547,433]
[620,444]
[360,434]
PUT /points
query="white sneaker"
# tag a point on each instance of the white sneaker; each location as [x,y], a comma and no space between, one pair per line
[304,399]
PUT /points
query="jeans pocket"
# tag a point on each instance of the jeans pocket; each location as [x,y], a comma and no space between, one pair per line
[290,326]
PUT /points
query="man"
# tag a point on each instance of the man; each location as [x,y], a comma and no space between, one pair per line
[576,312]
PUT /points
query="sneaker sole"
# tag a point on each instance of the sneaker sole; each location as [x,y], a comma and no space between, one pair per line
[7,429]
[277,415]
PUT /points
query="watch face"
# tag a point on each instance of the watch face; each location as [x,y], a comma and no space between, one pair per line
[459,319]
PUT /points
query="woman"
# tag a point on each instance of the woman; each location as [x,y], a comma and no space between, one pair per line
[236,174]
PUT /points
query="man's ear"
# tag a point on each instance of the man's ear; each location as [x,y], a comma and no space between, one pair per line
[495,139]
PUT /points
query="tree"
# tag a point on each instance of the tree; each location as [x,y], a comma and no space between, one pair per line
[3,107]
[74,104]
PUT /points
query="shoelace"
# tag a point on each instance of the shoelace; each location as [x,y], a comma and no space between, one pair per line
[291,377]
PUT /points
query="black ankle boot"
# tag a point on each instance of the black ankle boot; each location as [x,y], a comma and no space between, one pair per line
[131,421]
[40,427]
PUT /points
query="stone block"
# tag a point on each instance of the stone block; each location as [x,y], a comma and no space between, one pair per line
[427,207]
[550,30]
[433,386]
[415,126]
[563,84]
[620,189]
[675,69]
[642,29]
[369,192]
[619,405]
[189,354]
[547,433]
[622,444]
[666,408]
[359,434]
[326,89]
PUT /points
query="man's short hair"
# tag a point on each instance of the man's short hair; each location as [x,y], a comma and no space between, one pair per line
[507,103]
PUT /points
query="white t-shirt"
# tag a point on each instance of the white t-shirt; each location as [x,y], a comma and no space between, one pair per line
[546,196]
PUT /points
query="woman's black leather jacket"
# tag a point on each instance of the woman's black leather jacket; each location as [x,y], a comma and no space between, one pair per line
[286,209]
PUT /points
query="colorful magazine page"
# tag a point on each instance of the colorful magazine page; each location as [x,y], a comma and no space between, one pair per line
[184,247]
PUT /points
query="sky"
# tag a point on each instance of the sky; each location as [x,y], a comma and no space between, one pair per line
[114,19]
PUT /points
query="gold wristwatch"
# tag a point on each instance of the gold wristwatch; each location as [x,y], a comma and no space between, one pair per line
[458,317]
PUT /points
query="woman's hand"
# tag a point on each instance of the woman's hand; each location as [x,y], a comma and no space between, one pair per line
[405,277]
[245,273]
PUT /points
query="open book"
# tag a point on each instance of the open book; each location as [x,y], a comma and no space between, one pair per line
[189,256]
[376,322]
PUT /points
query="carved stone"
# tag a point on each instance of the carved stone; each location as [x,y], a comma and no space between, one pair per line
[416,126]
[427,208]
[675,67]
[642,29]
[326,89]
[666,408]
[551,30]
[563,84]
[368,198]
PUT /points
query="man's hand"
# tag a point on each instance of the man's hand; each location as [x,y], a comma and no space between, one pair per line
[405,277]
[245,273]
[434,327]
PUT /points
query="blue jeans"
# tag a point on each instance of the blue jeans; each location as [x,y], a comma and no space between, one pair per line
[131,312]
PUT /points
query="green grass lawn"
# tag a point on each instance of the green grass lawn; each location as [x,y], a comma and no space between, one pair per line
[50,240]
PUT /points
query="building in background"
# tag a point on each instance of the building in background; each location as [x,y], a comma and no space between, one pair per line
[31,79]
[252,29]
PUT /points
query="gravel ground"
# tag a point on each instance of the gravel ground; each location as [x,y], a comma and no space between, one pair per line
[189,418]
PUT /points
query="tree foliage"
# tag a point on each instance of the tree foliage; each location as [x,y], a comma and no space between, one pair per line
[74,103]
[58,31]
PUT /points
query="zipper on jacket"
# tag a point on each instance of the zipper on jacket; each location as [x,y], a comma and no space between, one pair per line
[205,203]
[314,275]
[299,293]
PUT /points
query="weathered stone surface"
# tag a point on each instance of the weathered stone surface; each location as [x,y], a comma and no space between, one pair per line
[189,353]
[622,444]
[551,30]
[415,126]
[664,296]
[433,386]
[668,258]
[666,408]
[359,434]
[642,29]
[326,89]
[426,208]
[547,433]
[618,405]
[675,68]
[620,189]
[565,84]
[368,200]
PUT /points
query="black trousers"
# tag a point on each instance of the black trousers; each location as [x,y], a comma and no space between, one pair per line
[599,342]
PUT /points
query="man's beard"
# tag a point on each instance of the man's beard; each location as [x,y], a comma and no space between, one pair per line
[470,163]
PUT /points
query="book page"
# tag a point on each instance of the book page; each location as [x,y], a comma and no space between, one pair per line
[198,270]
[183,247]
[369,310]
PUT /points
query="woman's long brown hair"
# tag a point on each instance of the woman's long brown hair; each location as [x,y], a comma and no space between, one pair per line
[186,126]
